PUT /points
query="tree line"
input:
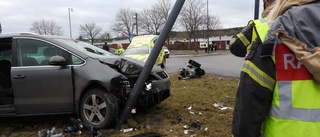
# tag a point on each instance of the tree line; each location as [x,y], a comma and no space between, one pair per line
[192,18]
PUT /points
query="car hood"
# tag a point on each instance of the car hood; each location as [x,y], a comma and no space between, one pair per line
[126,65]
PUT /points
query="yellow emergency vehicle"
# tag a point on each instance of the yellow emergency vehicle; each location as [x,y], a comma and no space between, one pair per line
[140,49]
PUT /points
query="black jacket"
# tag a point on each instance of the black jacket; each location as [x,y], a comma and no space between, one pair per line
[252,100]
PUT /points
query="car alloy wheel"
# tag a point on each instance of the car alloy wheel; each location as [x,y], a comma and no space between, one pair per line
[98,108]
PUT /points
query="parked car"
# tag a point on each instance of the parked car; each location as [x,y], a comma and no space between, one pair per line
[44,75]
[140,48]
[166,51]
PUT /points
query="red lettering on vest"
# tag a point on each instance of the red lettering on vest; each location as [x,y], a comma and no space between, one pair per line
[288,68]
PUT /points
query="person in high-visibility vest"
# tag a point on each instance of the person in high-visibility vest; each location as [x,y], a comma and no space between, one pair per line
[278,95]
[207,47]
[241,43]
[119,50]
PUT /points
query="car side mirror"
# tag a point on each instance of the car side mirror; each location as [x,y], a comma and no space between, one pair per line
[58,60]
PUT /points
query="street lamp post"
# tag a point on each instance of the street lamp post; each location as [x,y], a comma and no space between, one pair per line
[70,10]
[208,25]
[136,17]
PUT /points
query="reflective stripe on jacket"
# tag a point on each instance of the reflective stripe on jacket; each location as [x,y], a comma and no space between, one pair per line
[241,43]
[260,31]
[254,95]
[295,110]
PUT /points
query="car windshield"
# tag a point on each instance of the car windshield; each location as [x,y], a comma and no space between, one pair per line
[86,48]
[137,50]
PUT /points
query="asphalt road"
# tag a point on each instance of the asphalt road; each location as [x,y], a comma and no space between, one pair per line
[224,64]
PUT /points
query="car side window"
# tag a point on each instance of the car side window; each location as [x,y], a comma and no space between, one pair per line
[76,60]
[32,52]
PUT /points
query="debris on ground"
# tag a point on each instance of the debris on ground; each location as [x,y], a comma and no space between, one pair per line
[78,126]
[220,106]
[50,133]
[127,130]
[179,118]
[191,70]
[197,125]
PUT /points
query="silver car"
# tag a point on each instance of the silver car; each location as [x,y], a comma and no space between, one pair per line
[166,52]
[45,75]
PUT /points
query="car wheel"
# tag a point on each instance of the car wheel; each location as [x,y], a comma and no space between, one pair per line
[99,108]
[163,65]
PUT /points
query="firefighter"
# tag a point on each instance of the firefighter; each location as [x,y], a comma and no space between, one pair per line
[241,43]
[278,95]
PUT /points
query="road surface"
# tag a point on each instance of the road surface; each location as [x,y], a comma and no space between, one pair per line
[219,64]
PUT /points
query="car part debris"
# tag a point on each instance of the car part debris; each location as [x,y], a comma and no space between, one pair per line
[185,126]
[78,126]
[191,70]
[127,130]
[179,118]
[196,125]
[186,131]
[220,106]
[133,111]
[50,133]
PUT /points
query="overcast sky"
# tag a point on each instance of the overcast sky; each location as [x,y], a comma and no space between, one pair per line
[18,15]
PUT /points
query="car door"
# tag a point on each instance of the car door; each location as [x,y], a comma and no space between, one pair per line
[40,88]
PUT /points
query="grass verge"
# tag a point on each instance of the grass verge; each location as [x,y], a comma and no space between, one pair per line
[200,106]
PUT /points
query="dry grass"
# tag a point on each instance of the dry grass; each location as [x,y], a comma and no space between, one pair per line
[191,102]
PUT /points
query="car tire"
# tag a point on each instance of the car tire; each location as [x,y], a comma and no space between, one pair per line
[99,108]
[163,65]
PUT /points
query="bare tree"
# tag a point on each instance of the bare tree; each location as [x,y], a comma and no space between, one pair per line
[213,24]
[151,21]
[124,23]
[105,36]
[46,27]
[192,16]
[90,31]
[164,7]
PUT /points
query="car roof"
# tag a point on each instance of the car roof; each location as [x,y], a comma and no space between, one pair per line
[50,38]
[29,34]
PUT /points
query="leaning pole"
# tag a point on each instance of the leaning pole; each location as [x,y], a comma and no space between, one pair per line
[149,64]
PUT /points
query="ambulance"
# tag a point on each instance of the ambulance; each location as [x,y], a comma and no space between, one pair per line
[140,49]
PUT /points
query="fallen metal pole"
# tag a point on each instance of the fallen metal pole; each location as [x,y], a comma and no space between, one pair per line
[149,64]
